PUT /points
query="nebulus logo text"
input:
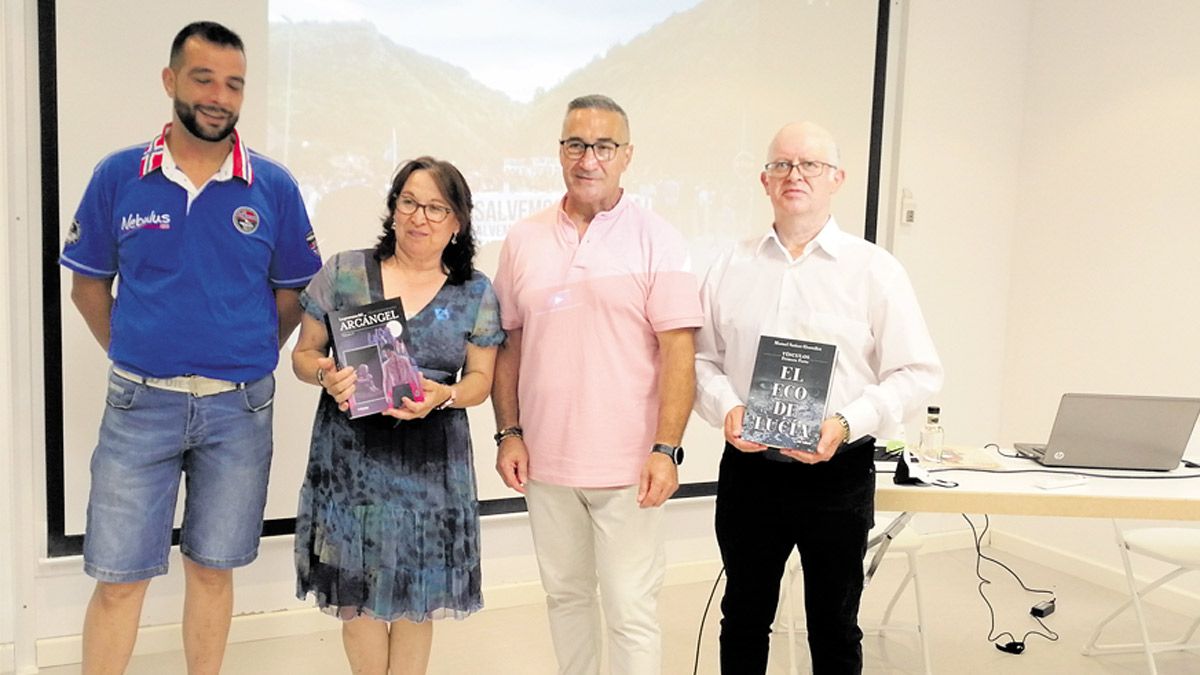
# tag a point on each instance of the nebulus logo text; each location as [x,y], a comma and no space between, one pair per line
[154,221]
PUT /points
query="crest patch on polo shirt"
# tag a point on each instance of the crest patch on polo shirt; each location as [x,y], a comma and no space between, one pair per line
[74,233]
[245,219]
[311,240]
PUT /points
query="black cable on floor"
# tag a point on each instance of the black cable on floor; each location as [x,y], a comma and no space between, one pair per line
[1014,646]
[703,618]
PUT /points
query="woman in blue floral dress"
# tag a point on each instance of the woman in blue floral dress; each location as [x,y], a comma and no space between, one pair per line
[387,530]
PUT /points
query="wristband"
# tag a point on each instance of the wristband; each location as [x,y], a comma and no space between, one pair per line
[508,431]
[320,376]
[449,401]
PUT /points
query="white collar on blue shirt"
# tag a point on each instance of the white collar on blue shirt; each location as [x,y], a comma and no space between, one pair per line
[172,172]
[225,172]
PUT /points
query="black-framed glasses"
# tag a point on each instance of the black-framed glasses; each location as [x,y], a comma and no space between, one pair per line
[809,168]
[434,213]
[575,148]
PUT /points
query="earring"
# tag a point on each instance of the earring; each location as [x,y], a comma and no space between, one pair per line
[454,238]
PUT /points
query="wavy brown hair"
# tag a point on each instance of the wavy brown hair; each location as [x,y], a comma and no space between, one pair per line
[458,256]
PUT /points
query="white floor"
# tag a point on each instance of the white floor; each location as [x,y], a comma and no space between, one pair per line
[515,641]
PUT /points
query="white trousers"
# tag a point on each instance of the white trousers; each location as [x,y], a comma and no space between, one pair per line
[599,538]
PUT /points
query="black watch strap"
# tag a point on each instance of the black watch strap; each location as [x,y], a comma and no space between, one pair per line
[675,452]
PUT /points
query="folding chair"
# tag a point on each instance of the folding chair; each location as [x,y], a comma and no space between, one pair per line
[1178,546]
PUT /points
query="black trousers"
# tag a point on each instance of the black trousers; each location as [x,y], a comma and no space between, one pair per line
[764,509]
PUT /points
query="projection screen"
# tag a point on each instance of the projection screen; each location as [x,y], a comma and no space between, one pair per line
[343,91]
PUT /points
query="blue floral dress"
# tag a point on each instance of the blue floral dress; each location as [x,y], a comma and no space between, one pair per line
[388,521]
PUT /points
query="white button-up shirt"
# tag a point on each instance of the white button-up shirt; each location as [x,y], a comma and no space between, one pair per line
[842,290]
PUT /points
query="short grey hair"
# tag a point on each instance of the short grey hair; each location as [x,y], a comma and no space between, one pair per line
[598,102]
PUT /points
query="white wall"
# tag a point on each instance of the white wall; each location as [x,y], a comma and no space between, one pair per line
[959,144]
[6,445]
[1036,260]
[1104,278]
[963,84]
[16,501]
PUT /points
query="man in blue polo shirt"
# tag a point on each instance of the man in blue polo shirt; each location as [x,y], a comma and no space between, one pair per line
[211,244]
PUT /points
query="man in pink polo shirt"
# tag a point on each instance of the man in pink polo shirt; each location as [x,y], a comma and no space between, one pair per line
[592,392]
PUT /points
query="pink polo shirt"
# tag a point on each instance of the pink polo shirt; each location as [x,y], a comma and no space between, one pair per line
[588,313]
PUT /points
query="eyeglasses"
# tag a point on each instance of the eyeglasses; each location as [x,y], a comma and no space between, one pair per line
[605,150]
[808,168]
[434,213]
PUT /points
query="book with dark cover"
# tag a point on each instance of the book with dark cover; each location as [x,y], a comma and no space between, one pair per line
[789,393]
[373,339]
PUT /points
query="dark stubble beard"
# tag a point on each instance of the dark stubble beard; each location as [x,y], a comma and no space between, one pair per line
[187,115]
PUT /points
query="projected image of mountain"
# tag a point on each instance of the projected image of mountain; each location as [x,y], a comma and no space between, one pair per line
[707,88]
[704,88]
[347,105]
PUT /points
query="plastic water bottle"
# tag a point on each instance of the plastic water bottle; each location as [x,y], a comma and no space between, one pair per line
[932,435]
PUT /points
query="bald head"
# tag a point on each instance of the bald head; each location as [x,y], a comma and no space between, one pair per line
[806,135]
[801,196]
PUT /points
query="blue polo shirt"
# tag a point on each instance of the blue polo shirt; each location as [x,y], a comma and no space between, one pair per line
[196,267]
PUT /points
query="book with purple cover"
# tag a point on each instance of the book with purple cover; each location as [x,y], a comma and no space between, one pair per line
[373,339]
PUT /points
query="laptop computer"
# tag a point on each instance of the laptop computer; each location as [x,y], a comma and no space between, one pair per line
[1104,431]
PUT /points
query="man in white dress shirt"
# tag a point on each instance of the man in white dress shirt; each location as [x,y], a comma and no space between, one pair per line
[806,279]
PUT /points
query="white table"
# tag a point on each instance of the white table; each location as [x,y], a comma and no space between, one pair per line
[1149,495]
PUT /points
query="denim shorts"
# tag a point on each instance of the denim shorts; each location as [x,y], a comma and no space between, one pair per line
[149,438]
